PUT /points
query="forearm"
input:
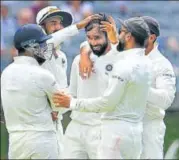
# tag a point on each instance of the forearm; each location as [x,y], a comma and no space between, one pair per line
[105,103]
[85,50]
[99,104]
[61,35]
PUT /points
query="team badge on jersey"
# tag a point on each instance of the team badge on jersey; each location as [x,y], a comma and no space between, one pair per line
[63,62]
[109,67]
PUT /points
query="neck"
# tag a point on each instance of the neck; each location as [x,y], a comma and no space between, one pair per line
[149,49]
[132,45]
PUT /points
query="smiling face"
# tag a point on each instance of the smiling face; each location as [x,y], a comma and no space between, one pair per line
[53,25]
[97,40]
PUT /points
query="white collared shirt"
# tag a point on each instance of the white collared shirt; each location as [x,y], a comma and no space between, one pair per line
[126,94]
[26,91]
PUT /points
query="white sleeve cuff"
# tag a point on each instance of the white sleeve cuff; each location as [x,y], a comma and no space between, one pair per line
[85,43]
[114,46]
[73,103]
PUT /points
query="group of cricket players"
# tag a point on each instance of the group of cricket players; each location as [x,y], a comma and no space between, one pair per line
[120,86]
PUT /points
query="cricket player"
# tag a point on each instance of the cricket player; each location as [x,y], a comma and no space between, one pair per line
[160,98]
[82,135]
[58,23]
[161,94]
[26,90]
[124,100]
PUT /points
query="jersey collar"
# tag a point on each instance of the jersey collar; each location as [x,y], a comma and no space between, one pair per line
[25,60]
[137,51]
[154,51]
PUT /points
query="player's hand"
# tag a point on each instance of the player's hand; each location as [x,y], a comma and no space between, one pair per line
[85,64]
[111,29]
[61,100]
[54,115]
[84,22]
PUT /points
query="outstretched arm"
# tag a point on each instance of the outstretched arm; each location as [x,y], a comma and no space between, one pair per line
[61,35]
[106,103]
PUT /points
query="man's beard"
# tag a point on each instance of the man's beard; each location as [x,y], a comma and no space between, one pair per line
[40,60]
[101,50]
[121,45]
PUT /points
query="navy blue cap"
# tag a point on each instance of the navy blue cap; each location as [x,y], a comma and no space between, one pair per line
[136,26]
[29,33]
[153,25]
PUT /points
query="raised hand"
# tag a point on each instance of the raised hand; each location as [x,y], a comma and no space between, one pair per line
[84,22]
[111,29]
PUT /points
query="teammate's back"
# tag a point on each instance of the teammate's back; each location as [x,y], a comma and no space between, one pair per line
[138,76]
[24,99]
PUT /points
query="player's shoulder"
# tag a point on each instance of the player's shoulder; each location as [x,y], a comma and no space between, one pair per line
[84,43]
[41,73]
[7,71]
[160,59]
[162,63]
[123,66]
[61,53]
[76,60]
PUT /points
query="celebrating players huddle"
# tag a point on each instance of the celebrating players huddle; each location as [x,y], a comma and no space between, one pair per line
[120,87]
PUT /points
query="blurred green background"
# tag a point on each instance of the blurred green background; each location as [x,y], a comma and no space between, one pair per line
[171,121]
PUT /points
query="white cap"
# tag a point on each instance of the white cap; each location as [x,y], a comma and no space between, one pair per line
[52,11]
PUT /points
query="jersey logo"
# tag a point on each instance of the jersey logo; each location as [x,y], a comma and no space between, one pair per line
[169,75]
[63,61]
[53,84]
[109,67]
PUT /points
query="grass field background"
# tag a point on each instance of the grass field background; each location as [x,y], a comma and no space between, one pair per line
[171,121]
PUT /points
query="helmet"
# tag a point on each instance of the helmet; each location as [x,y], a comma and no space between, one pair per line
[52,11]
[29,33]
[31,38]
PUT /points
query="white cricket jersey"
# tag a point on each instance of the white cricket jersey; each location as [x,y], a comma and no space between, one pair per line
[26,90]
[58,64]
[89,88]
[126,94]
[162,92]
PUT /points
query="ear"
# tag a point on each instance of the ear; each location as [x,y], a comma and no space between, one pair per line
[128,36]
[152,37]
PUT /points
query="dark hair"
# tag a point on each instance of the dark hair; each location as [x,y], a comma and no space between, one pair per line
[139,40]
[21,51]
[91,24]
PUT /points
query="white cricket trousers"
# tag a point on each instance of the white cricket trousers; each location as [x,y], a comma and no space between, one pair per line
[81,141]
[33,145]
[120,140]
[60,137]
[153,138]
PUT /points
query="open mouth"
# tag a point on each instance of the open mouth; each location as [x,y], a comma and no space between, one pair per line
[97,48]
